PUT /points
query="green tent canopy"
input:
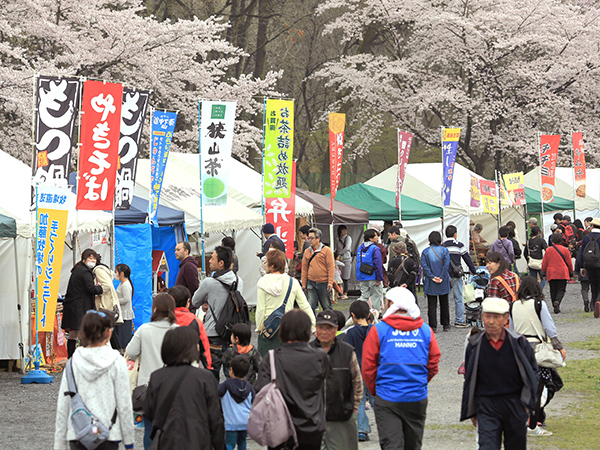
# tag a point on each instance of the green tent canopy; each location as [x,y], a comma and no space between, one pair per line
[8,227]
[534,203]
[381,203]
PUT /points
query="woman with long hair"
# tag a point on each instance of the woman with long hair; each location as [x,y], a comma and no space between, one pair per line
[435,261]
[344,251]
[146,345]
[272,290]
[182,400]
[100,374]
[503,283]
[125,293]
[531,318]
[81,292]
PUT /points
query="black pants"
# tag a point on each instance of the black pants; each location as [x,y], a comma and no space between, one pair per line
[501,415]
[585,290]
[400,424]
[432,301]
[593,276]
[217,348]
[558,288]
[108,445]
[305,442]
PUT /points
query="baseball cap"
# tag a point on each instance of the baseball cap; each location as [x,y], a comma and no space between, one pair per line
[327,317]
[495,305]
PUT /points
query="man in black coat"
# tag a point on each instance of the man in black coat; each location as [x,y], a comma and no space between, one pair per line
[500,381]
[188,268]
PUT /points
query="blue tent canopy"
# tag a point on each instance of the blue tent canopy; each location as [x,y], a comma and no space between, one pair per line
[138,213]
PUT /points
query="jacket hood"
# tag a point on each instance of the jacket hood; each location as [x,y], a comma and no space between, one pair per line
[228,277]
[273,283]
[365,245]
[404,323]
[238,389]
[187,260]
[93,362]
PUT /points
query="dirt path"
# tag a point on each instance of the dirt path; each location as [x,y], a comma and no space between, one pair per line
[27,412]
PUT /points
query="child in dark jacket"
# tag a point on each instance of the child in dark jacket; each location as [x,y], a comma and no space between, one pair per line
[355,336]
[240,345]
[236,400]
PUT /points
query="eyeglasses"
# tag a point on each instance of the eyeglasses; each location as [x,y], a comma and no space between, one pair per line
[96,312]
[310,238]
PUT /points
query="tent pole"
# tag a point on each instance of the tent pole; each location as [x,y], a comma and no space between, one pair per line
[19,308]
[573,174]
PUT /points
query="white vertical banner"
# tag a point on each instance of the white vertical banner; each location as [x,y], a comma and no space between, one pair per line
[217,120]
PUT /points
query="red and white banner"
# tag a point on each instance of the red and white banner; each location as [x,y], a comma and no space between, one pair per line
[579,164]
[404,142]
[337,123]
[548,155]
[281,212]
[99,152]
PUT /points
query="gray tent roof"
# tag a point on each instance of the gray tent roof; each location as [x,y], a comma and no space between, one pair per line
[8,227]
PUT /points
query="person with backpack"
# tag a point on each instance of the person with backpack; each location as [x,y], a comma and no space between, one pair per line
[182,400]
[512,237]
[558,267]
[436,280]
[530,317]
[534,254]
[101,380]
[272,294]
[397,234]
[185,318]
[241,335]
[213,296]
[570,233]
[588,260]
[369,270]
[402,269]
[300,371]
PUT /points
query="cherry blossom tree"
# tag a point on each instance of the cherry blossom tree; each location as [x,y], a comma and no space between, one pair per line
[502,70]
[180,61]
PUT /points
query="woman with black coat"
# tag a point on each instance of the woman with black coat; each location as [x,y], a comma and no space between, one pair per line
[80,297]
[402,269]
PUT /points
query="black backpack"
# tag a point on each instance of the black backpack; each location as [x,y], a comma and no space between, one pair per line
[234,311]
[591,254]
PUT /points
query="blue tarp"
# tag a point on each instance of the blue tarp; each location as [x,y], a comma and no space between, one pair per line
[164,239]
[133,246]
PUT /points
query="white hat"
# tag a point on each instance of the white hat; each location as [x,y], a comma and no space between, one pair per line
[495,305]
[403,299]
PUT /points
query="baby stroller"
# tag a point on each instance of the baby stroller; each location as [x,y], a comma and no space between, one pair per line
[480,281]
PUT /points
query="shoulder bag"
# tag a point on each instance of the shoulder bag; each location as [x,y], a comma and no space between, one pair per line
[535,264]
[271,325]
[503,282]
[563,258]
[545,354]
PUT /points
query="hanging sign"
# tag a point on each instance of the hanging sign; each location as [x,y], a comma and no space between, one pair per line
[548,156]
[515,185]
[449,148]
[579,164]
[475,196]
[404,143]
[278,148]
[281,212]
[489,196]
[217,120]
[337,123]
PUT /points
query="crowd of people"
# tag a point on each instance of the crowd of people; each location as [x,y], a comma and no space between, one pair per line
[193,374]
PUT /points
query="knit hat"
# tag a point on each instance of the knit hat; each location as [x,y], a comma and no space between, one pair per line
[268,228]
[494,305]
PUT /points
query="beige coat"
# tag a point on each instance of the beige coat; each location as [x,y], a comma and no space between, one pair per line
[108,299]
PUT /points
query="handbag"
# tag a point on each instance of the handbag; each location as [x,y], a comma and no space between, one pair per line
[545,354]
[134,372]
[457,271]
[366,268]
[535,264]
[270,327]
[138,396]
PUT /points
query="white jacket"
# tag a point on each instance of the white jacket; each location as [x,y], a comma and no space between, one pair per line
[103,383]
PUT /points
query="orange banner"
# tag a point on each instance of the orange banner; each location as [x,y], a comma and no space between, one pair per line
[579,164]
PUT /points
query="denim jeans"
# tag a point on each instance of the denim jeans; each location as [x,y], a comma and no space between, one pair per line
[233,438]
[363,421]
[459,306]
[537,274]
[147,431]
[370,289]
[318,293]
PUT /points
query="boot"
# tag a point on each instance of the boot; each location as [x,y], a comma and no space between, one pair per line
[586,306]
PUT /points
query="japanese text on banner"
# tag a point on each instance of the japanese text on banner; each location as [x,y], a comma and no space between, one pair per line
[475,196]
[489,196]
[449,148]
[579,164]
[217,120]
[57,103]
[98,156]
[515,185]
[163,126]
[404,143]
[548,156]
[133,114]
[278,148]
[337,123]
[281,212]
[52,214]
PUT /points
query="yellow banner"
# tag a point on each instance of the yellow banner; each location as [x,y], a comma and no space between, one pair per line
[278,148]
[451,134]
[52,214]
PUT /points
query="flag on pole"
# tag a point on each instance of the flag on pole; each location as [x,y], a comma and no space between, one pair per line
[281,212]
[217,120]
[548,156]
[489,196]
[337,123]
[475,196]
[404,142]
[163,126]
[449,149]
[579,164]
[278,148]
[515,185]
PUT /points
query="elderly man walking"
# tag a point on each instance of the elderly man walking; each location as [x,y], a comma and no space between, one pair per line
[500,381]
[400,356]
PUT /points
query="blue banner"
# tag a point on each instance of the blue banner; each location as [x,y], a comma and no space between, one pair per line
[163,125]
[449,148]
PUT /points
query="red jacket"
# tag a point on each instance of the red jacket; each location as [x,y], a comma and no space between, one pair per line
[184,318]
[557,267]
[370,356]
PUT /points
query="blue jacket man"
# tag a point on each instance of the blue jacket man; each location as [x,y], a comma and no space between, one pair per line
[369,270]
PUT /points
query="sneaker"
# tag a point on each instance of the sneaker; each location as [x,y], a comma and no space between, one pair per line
[363,437]
[461,325]
[557,308]
[596,310]
[538,431]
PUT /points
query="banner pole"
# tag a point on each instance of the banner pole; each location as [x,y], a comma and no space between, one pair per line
[262,197]
[573,176]
[539,145]
[499,198]
[442,193]
[201,189]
